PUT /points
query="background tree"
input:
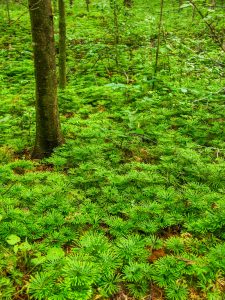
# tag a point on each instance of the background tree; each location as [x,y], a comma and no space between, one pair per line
[48,133]
[128,3]
[62,44]
[8,11]
[87,4]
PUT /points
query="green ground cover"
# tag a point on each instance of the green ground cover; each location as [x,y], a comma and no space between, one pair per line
[133,205]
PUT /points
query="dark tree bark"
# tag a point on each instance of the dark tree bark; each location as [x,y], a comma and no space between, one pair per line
[62,44]
[48,132]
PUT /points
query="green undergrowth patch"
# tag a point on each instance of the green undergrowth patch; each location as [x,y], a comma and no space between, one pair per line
[132,206]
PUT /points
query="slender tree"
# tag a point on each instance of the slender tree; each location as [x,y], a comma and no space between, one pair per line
[159,36]
[48,133]
[62,44]
[8,12]
[115,8]
[128,3]
[87,4]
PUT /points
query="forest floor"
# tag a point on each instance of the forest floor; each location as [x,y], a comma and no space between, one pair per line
[133,205]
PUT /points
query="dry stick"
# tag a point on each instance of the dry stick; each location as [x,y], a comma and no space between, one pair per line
[211,28]
[158,40]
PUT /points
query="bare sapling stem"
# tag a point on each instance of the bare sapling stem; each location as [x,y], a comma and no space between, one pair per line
[158,39]
[8,12]
[62,44]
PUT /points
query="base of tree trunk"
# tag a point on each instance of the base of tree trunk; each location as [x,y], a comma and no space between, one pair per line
[42,151]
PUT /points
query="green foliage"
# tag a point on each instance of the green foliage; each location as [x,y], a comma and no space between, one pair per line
[133,203]
[6,288]
[138,276]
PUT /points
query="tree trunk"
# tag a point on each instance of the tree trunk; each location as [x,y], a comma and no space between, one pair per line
[62,44]
[213,4]
[8,12]
[87,4]
[48,133]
